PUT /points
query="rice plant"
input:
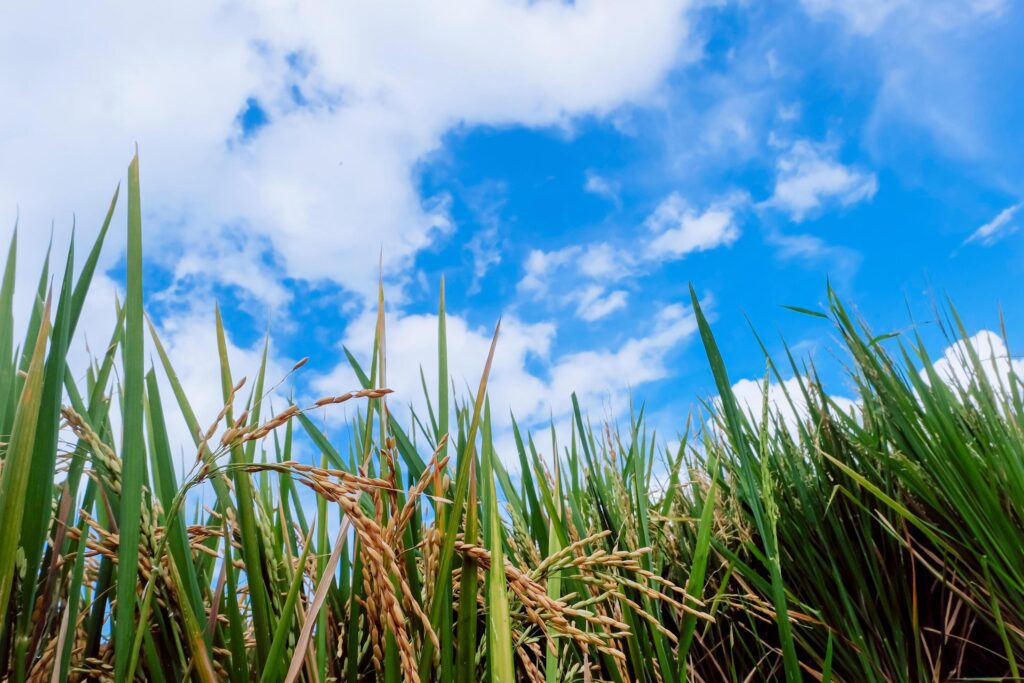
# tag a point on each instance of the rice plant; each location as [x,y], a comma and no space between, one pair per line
[883,543]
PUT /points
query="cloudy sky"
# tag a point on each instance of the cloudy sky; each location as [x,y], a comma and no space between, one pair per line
[570,167]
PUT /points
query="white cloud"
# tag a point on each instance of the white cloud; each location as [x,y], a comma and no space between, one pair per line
[540,265]
[868,16]
[604,261]
[956,368]
[996,229]
[785,401]
[588,271]
[606,376]
[579,275]
[602,187]
[808,177]
[863,16]
[485,248]
[411,342]
[235,263]
[789,112]
[841,262]
[594,302]
[927,55]
[354,96]
[678,230]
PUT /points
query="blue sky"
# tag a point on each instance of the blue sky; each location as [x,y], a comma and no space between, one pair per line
[571,168]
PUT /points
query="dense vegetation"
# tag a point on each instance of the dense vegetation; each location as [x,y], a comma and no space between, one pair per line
[880,544]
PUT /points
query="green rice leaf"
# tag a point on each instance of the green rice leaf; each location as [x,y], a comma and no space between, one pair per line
[133,445]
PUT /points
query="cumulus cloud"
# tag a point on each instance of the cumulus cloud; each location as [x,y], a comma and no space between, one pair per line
[997,228]
[350,97]
[240,263]
[579,275]
[539,264]
[808,177]
[997,365]
[411,342]
[677,230]
[605,376]
[673,230]
[954,367]
[785,401]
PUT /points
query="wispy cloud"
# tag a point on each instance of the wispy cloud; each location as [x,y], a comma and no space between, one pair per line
[486,203]
[579,275]
[485,248]
[862,16]
[997,228]
[590,271]
[841,262]
[935,63]
[809,177]
[869,16]
[603,187]
[595,302]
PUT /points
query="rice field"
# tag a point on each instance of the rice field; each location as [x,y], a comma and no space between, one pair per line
[883,543]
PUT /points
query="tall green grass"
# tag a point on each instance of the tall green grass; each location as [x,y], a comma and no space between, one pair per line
[880,544]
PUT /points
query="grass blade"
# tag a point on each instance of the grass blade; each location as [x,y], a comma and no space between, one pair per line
[14,480]
[499,634]
[284,624]
[133,446]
